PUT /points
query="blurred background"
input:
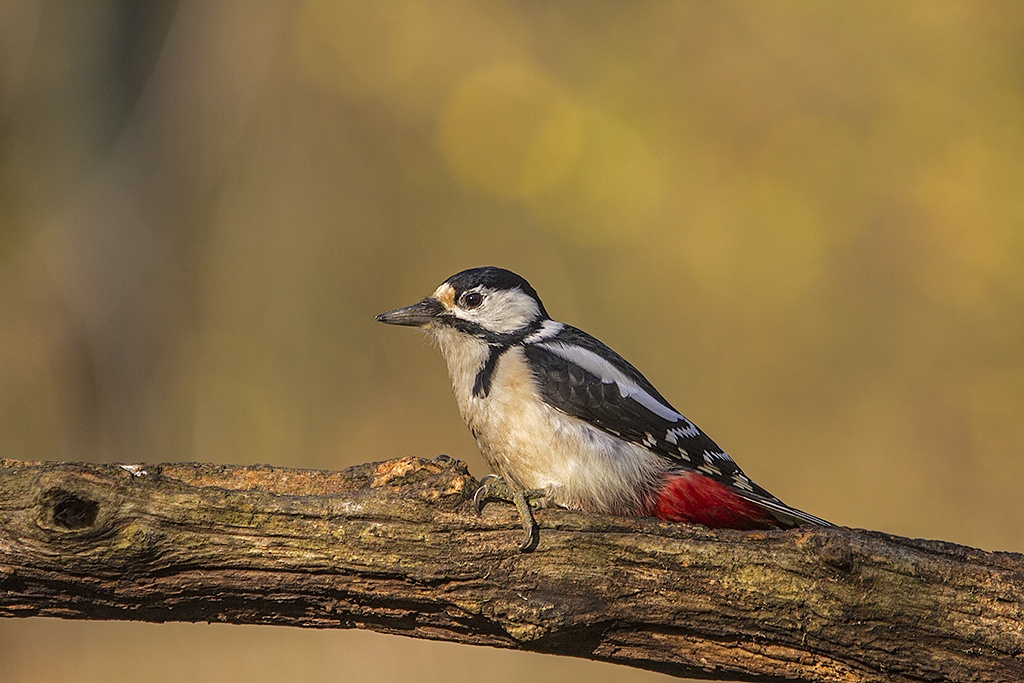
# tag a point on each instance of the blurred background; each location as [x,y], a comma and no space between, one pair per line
[804,222]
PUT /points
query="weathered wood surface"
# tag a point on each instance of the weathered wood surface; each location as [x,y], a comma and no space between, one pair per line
[394,547]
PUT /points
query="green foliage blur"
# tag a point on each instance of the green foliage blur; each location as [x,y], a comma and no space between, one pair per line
[803,221]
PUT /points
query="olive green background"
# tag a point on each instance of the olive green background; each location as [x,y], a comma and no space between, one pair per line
[803,221]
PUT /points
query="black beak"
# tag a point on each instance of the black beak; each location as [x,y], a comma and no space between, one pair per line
[417,315]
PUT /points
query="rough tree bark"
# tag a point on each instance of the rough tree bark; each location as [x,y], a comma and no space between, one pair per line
[394,547]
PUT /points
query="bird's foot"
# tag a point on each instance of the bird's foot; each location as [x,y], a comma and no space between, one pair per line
[493,487]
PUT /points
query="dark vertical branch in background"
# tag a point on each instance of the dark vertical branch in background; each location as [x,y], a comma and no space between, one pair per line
[152,101]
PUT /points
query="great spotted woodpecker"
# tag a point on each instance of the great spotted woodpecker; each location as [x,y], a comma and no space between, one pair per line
[566,421]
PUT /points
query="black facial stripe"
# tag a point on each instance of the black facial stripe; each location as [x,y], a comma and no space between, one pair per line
[465,326]
[498,344]
[493,338]
[482,384]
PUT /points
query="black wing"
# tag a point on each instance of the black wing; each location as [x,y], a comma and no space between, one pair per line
[582,377]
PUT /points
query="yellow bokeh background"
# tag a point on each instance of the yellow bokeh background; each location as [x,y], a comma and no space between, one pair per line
[804,222]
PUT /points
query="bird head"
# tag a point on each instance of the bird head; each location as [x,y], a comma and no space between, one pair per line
[489,303]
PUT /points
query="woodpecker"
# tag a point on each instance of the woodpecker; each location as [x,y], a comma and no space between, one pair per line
[564,420]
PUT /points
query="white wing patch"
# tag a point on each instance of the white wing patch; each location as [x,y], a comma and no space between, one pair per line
[548,329]
[609,374]
[688,430]
[712,456]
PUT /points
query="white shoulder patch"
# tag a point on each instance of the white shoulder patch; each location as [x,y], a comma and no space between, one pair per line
[548,329]
[609,374]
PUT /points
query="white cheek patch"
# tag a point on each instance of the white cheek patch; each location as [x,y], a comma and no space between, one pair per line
[609,374]
[502,311]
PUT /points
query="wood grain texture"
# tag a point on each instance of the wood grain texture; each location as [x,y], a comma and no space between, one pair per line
[394,547]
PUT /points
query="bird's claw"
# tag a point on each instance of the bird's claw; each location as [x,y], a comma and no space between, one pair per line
[488,489]
[493,487]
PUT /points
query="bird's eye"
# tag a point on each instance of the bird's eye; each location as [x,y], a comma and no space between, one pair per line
[472,299]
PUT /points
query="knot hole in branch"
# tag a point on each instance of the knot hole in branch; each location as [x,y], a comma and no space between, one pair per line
[71,511]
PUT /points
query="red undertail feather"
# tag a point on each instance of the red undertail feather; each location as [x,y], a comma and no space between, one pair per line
[694,498]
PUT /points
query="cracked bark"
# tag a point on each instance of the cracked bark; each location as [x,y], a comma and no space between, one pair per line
[394,547]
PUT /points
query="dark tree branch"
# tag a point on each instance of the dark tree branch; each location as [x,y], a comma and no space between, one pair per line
[394,547]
